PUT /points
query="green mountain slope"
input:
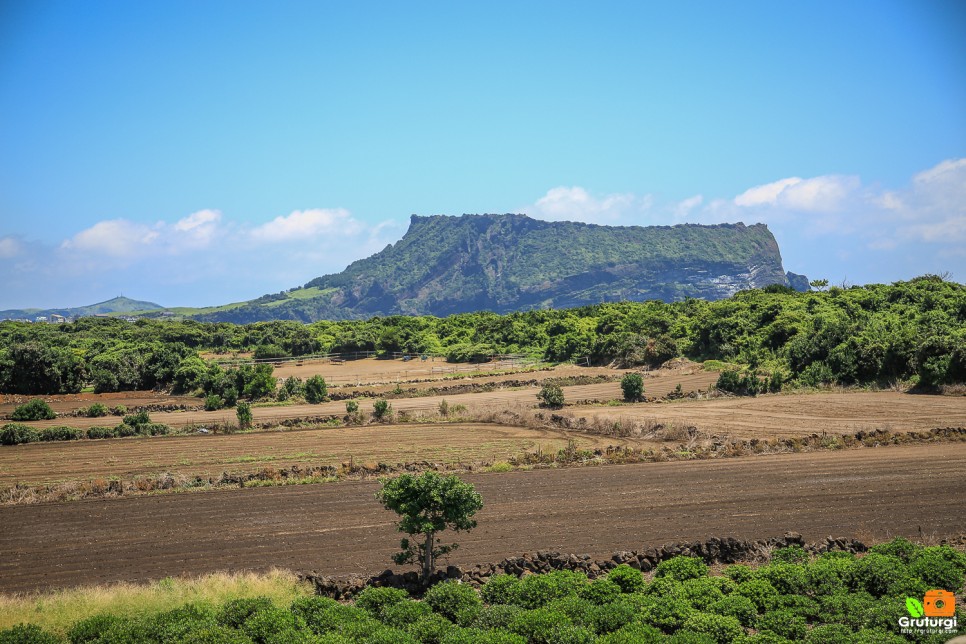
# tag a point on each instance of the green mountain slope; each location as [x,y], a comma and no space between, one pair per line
[116,305]
[506,263]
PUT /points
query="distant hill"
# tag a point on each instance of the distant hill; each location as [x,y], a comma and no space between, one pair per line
[115,305]
[504,263]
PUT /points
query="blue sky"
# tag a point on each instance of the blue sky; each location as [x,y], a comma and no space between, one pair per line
[196,153]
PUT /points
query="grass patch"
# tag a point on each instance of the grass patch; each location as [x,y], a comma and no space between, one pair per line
[57,611]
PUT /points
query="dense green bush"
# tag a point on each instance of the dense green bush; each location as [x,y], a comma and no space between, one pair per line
[244,413]
[60,433]
[15,434]
[95,410]
[451,598]
[551,396]
[374,599]
[214,402]
[36,409]
[601,591]
[381,409]
[630,580]
[500,589]
[720,628]
[27,634]
[632,387]
[316,391]
[681,568]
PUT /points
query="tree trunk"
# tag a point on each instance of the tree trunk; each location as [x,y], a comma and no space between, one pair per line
[428,563]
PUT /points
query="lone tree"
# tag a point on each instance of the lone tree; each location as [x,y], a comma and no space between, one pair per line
[632,386]
[428,504]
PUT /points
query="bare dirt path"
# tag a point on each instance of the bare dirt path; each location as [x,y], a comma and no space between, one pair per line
[339,528]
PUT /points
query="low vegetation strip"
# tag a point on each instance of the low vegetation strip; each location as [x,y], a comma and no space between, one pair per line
[835,596]
[572,455]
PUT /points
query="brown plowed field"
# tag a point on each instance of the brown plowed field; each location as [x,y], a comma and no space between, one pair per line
[213,454]
[801,414]
[503,398]
[339,528]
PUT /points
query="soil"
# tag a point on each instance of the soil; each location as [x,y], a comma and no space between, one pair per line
[340,528]
[36,463]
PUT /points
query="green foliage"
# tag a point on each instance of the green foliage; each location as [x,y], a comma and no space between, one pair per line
[16,434]
[629,580]
[381,409]
[791,554]
[551,395]
[681,568]
[720,628]
[214,402]
[316,391]
[940,567]
[27,634]
[36,409]
[235,612]
[636,633]
[60,434]
[537,625]
[429,504]
[737,606]
[632,386]
[600,591]
[501,589]
[430,629]
[451,598]
[785,623]
[244,413]
[351,407]
[404,613]
[374,599]
[95,410]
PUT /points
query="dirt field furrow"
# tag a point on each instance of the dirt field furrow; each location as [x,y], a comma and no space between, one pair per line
[339,528]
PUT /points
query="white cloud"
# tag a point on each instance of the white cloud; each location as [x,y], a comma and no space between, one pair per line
[824,194]
[576,204]
[684,208]
[199,228]
[305,224]
[9,247]
[114,238]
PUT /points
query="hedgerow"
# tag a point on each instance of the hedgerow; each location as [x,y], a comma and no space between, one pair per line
[838,598]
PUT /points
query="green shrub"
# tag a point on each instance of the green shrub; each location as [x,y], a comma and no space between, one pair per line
[316,391]
[336,617]
[636,633]
[173,625]
[36,409]
[701,592]
[500,589]
[681,568]
[477,636]
[119,410]
[761,592]
[739,573]
[96,410]
[601,591]
[101,432]
[229,396]
[898,547]
[16,434]
[536,591]
[91,628]
[788,579]
[849,608]
[313,611]
[244,413]
[876,573]
[234,612]
[737,606]
[720,628]
[577,609]
[940,567]
[215,635]
[876,636]
[496,616]
[272,625]
[404,613]
[632,386]
[214,402]
[571,634]
[827,576]
[60,434]
[784,623]
[154,429]
[137,419]
[790,555]
[430,629]
[801,605]
[27,634]
[450,598]
[630,580]
[373,600]
[829,634]
[611,617]
[537,625]
[665,587]
[381,409]
[551,396]
[689,637]
[351,407]
[667,613]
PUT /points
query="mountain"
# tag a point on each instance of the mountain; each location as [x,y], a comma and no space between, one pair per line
[503,263]
[116,305]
